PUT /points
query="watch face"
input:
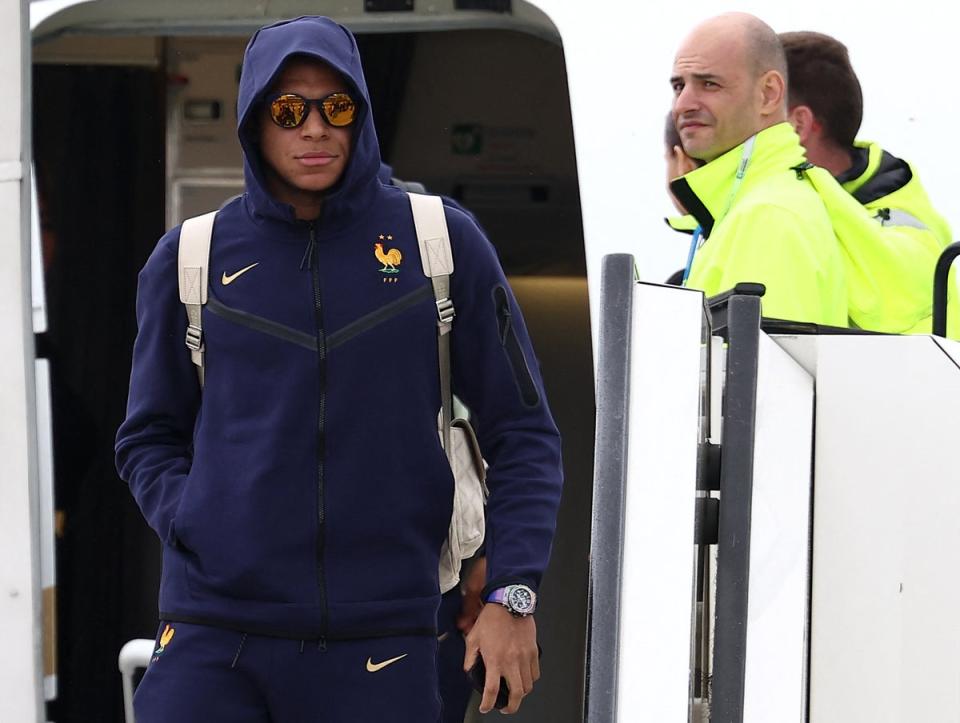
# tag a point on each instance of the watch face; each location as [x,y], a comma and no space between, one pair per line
[520,599]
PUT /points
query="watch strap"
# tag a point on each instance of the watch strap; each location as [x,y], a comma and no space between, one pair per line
[497,596]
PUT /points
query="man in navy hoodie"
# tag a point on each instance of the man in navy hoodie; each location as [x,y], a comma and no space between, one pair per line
[303,497]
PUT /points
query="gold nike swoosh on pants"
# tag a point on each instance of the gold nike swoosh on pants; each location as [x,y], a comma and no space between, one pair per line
[227,279]
[374,667]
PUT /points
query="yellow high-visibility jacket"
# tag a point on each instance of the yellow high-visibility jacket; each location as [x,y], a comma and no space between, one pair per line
[771,228]
[891,238]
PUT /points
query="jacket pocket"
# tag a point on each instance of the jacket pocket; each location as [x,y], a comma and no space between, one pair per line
[173,538]
[529,393]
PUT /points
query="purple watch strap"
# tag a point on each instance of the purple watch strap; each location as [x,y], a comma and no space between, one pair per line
[497,596]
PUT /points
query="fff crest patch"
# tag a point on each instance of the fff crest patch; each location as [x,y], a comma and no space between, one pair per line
[391,258]
[165,637]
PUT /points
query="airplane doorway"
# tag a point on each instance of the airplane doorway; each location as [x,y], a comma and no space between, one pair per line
[481,115]
[98,146]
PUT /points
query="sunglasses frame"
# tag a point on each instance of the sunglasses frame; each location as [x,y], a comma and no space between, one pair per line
[309,103]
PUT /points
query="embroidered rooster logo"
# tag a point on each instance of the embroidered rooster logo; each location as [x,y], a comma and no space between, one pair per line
[390,259]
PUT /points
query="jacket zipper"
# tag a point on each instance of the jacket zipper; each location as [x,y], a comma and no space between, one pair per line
[314,264]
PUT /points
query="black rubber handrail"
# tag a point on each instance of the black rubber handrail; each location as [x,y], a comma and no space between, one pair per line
[940,279]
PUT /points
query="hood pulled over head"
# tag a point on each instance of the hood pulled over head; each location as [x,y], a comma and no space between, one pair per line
[267,52]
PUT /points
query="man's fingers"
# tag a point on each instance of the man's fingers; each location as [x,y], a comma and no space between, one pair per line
[535,667]
[470,655]
[526,677]
[490,689]
[517,691]
[685,163]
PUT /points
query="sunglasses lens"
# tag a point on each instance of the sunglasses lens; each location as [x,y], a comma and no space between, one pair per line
[288,110]
[339,109]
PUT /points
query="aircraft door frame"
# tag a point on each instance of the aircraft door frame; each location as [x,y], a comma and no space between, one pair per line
[20,599]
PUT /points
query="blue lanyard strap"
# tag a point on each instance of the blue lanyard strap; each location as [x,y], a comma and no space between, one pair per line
[694,245]
[697,241]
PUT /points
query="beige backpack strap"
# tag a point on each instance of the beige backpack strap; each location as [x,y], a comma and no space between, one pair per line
[437,258]
[193,261]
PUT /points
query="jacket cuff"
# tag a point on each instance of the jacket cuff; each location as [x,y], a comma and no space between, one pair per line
[499,582]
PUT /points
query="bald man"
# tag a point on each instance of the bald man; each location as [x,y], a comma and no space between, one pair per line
[759,217]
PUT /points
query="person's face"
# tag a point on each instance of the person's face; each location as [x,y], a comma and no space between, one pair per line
[310,158]
[716,98]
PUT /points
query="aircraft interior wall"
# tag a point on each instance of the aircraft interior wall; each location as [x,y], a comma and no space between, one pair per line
[133,134]
[98,147]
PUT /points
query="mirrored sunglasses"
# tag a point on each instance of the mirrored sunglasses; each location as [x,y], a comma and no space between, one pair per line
[289,110]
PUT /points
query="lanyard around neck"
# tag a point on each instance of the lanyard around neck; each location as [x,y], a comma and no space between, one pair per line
[697,241]
[741,171]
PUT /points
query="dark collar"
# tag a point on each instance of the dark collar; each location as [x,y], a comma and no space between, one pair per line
[861,158]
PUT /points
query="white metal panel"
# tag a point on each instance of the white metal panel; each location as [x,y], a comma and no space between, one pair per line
[802,348]
[775,674]
[951,347]
[885,631]
[20,669]
[658,554]
[718,371]
[38,289]
[47,537]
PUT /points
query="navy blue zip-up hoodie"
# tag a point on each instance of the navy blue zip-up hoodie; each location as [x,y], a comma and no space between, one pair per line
[304,492]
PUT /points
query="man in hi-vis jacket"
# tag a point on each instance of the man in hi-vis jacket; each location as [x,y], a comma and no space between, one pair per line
[759,217]
[896,235]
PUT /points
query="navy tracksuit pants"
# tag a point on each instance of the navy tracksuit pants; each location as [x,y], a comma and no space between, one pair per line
[203,666]
[201,674]
[455,687]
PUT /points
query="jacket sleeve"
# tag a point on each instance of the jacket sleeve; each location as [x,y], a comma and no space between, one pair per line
[496,374]
[154,443]
[890,276]
[800,265]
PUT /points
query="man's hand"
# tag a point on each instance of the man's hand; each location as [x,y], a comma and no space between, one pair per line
[680,163]
[508,646]
[472,587]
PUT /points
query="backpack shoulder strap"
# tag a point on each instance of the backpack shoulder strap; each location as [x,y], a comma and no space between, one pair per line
[434,241]
[193,261]
[437,258]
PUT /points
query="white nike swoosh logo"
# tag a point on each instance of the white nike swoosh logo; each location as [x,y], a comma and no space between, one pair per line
[374,667]
[229,279]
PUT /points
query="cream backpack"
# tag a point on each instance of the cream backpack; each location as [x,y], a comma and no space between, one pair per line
[467,525]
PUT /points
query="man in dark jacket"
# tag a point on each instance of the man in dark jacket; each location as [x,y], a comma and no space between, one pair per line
[304,496]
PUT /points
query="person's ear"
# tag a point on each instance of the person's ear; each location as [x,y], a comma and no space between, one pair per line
[803,121]
[773,93]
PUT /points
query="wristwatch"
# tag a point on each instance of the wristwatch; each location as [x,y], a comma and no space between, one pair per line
[519,600]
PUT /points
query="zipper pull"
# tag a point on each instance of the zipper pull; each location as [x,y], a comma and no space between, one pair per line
[800,168]
[507,318]
[307,261]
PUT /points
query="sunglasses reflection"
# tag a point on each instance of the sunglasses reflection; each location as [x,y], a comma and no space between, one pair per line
[291,110]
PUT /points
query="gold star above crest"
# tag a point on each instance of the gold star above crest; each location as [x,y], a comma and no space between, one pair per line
[381,237]
[389,237]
